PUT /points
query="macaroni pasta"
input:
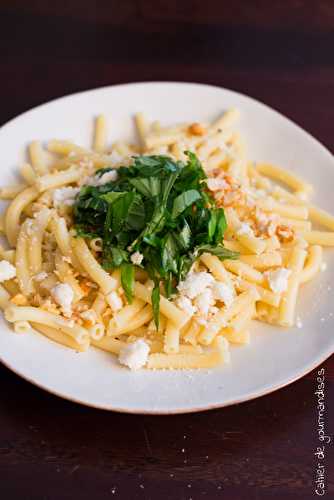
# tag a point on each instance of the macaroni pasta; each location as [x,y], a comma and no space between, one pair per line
[55,281]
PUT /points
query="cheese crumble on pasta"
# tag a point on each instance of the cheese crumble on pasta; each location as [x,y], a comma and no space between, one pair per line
[160,252]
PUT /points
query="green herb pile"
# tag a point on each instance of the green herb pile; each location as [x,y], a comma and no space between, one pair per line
[160,208]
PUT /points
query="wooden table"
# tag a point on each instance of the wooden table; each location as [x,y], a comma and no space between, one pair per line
[279,52]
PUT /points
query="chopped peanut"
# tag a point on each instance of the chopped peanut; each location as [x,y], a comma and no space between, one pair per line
[19,300]
[80,307]
[107,312]
[86,286]
[285,234]
[76,317]
[196,129]
[230,198]
[229,179]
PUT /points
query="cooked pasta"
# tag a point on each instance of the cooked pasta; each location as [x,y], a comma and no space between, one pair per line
[160,253]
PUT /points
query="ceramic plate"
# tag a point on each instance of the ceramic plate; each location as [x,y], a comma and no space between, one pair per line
[275,357]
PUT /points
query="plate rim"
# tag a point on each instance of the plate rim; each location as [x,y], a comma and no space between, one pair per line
[178,411]
[247,397]
[168,82]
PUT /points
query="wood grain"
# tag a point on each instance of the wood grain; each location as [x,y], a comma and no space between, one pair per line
[278,52]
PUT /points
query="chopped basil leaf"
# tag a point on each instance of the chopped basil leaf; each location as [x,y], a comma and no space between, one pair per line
[155,297]
[128,280]
[160,208]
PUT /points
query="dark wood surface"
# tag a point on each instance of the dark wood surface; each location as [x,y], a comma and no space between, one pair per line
[278,51]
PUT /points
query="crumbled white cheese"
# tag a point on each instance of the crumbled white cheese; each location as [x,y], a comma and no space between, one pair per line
[245,229]
[299,323]
[186,305]
[195,284]
[98,180]
[203,302]
[215,184]
[137,258]
[198,295]
[134,355]
[65,196]
[40,276]
[7,271]
[278,279]
[223,292]
[63,295]
[89,315]
[114,301]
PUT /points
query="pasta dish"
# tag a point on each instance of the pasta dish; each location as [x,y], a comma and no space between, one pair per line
[160,252]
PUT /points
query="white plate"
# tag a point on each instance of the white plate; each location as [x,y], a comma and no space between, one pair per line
[275,356]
